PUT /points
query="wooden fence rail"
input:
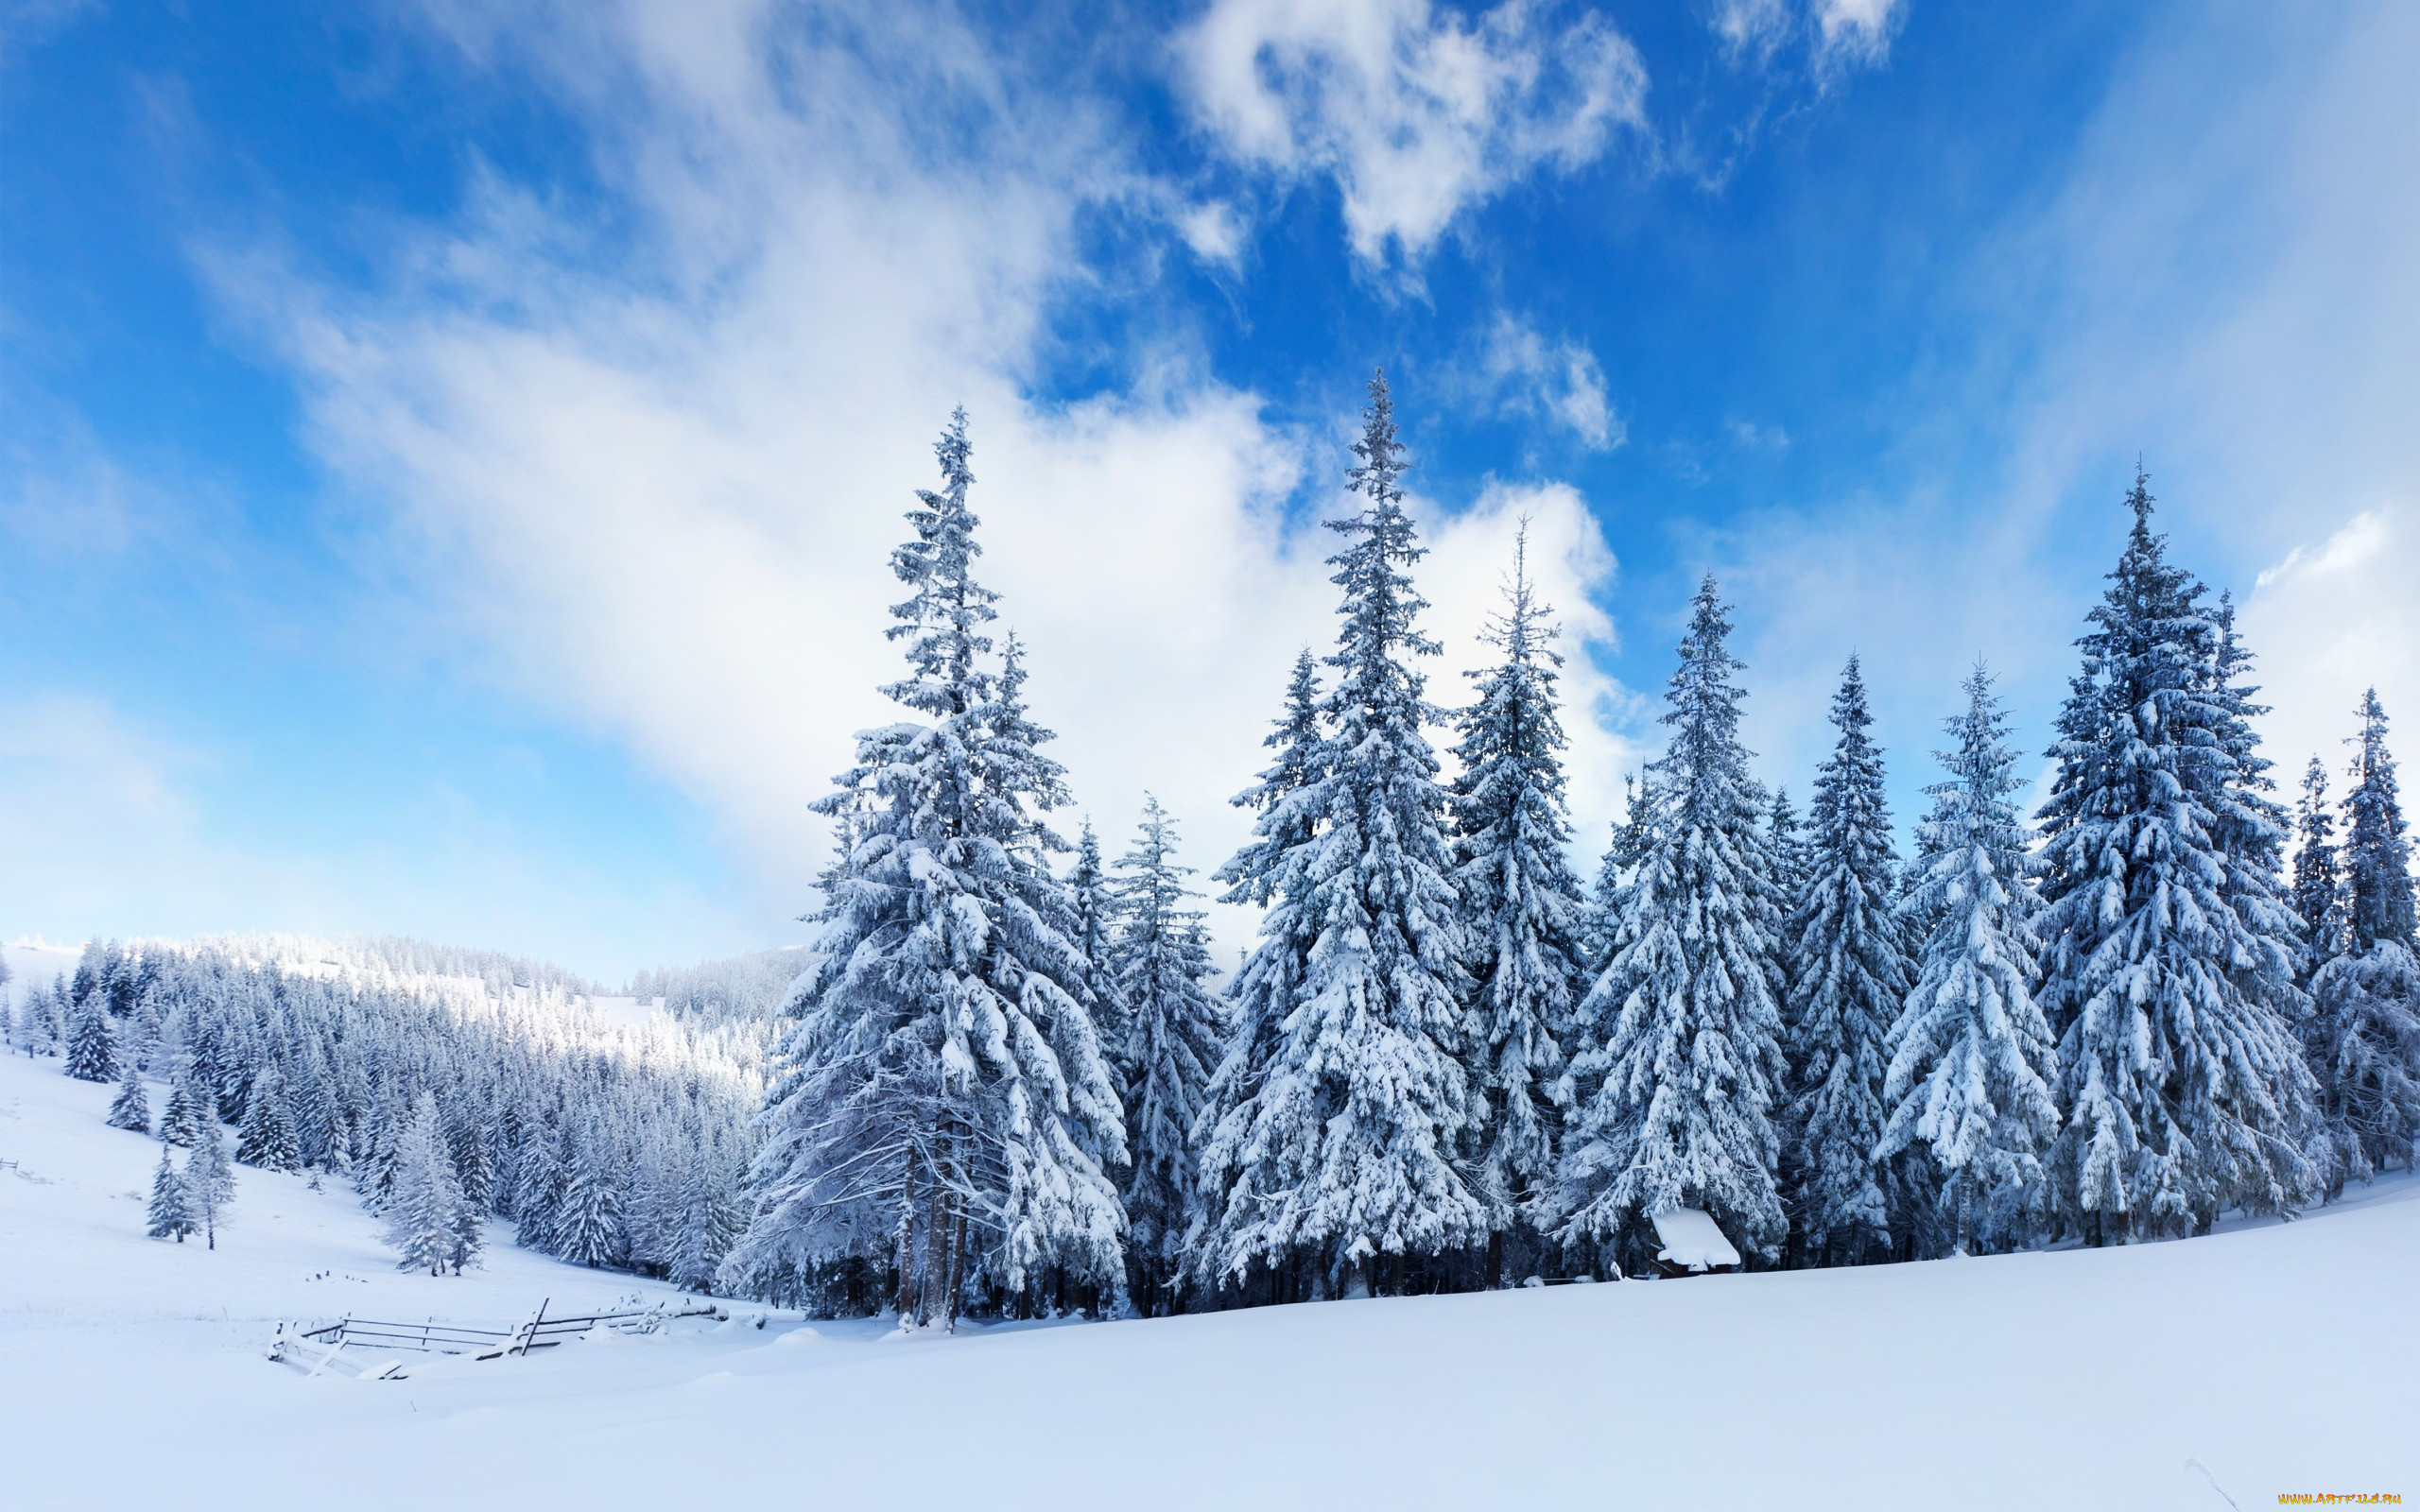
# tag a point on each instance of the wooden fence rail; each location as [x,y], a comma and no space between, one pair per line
[295,1345]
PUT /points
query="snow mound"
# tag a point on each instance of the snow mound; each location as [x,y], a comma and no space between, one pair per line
[1692,1241]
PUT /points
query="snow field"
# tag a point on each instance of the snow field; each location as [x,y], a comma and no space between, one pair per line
[131,1374]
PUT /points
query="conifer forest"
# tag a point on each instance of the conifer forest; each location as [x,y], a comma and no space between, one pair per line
[1466,1049]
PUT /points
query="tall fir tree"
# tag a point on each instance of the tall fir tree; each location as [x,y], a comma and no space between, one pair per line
[946,1105]
[706,1223]
[1092,896]
[1793,853]
[1337,1150]
[132,1109]
[91,1039]
[1849,976]
[1524,916]
[170,1212]
[209,1180]
[1971,1061]
[1282,794]
[425,1209]
[588,1228]
[1678,1063]
[2365,1036]
[1175,1030]
[2318,882]
[266,1137]
[2169,975]
[1624,850]
[182,1120]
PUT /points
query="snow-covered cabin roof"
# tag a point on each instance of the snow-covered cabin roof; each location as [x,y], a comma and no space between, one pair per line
[1692,1241]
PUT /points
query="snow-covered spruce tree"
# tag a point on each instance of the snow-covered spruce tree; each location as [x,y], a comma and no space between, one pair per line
[1849,975]
[1287,821]
[2318,882]
[2169,983]
[2366,1018]
[1522,911]
[1338,1145]
[538,1188]
[267,1138]
[39,1023]
[92,1040]
[209,1180]
[470,1138]
[706,1223]
[946,1111]
[1093,897]
[588,1229]
[1283,797]
[1632,837]
[132,1109]
[1971,1059]
[425,1207]
[170,1214]
[1792,851]
[1678,1063]
[1174,1036]
[188,1114]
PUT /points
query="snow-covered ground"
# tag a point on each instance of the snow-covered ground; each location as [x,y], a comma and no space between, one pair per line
[34,962]
[2279,1356]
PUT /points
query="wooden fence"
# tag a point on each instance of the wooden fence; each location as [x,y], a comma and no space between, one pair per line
[322,1348]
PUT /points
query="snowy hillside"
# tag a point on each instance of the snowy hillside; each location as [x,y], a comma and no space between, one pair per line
[131,1374]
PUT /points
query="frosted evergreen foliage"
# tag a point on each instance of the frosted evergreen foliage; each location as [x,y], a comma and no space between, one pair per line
[266,1137]
[947,1110]
[1971,1058]
[1523,914]
[2168,970]
[2365,1036]
[1283,794]
[1093,897]
[430,1224]
[1849,975]
[1334,1137]
[170,1214]
[1679,1065]
[1629,845]
[1174,1037]
[185,1117]
[209,1180]
[132,1109]
[2318,886]
[92,1040]
[588,1219]
[1794,857]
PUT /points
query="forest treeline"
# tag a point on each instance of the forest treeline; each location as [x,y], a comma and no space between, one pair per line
[1010,1081]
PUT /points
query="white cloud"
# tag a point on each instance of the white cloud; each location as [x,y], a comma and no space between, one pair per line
[1755,437]
[1854,31]
[1838,33]
[1523,372]
[1414,111]
[2329,621]
[1214,232]
[663,490]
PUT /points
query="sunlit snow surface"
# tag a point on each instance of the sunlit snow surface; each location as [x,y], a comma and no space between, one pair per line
[132,1375]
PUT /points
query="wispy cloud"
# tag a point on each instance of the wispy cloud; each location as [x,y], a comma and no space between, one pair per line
[1414,111]
[1519,371]
[1837,35]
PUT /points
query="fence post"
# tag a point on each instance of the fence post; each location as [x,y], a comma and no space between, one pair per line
[530,1334]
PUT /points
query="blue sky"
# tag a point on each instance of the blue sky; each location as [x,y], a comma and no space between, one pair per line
[448,453]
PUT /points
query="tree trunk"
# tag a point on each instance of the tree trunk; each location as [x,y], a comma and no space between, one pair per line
[907,1296]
